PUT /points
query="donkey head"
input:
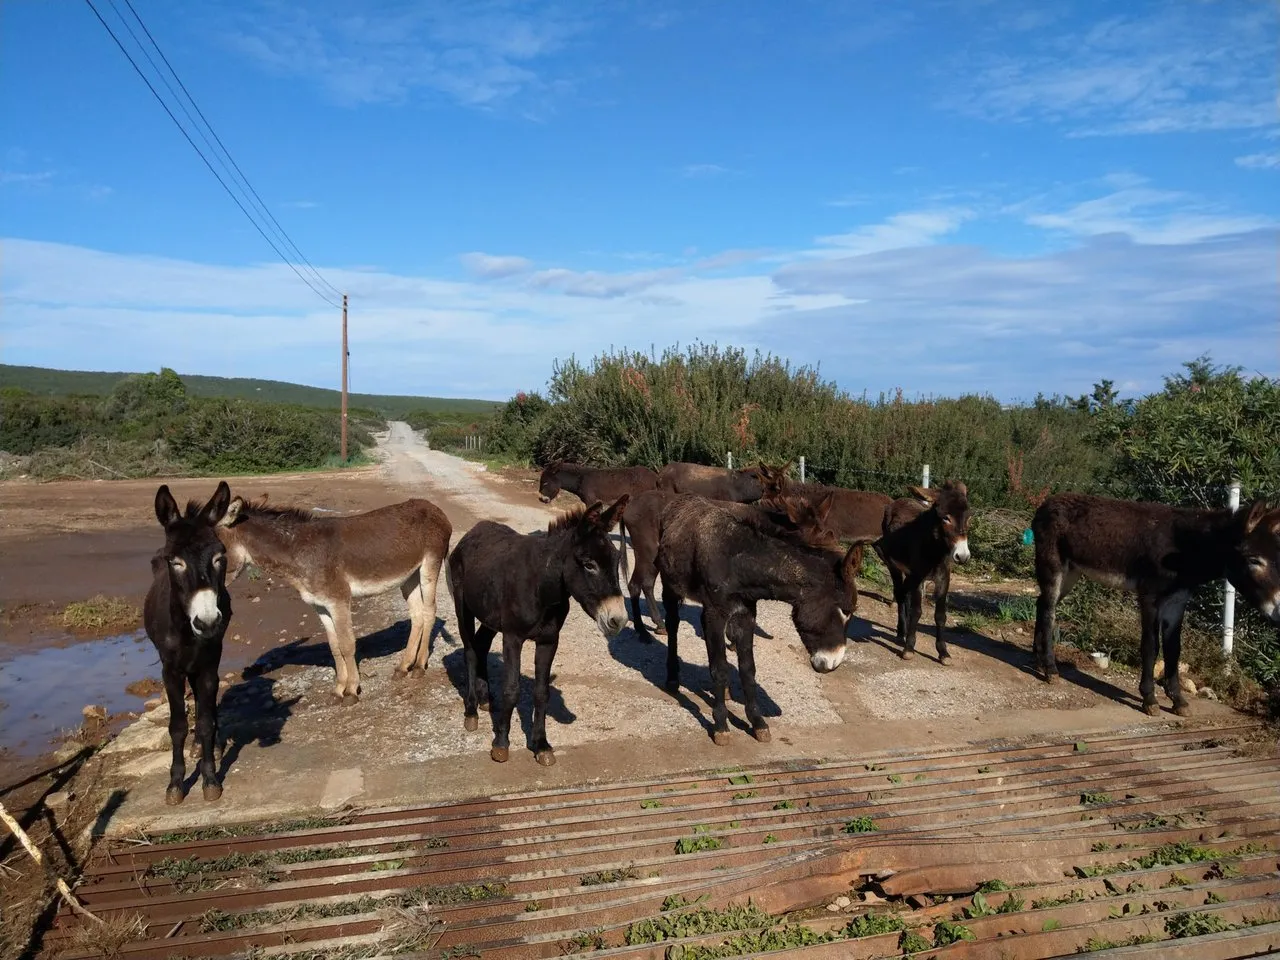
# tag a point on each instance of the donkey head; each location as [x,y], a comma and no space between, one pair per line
[591,568]
[822,617]
[549,482]
[950,503]
[773,481]
[194,557]
[1254,566]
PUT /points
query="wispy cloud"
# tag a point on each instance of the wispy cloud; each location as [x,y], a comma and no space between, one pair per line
[694,170]
[1259,161]
[480,55]
[1185,67]
[1145,215]
[301,204]
[25,178]
[912,229]
[490,267]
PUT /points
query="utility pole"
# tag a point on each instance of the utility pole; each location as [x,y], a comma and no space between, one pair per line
[344,378]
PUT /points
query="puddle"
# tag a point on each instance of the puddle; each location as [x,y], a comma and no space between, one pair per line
[43,692]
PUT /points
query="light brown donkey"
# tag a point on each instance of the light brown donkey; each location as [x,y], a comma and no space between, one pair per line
[329,560]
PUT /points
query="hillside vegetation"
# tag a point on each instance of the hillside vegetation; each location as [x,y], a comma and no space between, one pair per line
[47,382]
[150,424]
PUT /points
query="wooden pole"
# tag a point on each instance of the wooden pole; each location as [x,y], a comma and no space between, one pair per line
[344,378]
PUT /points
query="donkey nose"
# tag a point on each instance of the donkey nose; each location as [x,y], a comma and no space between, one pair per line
[960,553]
[824,661]
[206,627]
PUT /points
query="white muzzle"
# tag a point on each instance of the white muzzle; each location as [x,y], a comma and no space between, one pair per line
[824,661]
[960,552]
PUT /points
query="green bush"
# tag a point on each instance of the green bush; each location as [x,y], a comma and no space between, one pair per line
[239,436]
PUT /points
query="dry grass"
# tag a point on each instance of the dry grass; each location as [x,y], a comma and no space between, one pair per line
[108,939]
[99,613]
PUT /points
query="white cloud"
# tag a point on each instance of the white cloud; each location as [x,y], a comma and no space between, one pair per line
[1146,215]
[25,178]
[480,55]
[913,229]
[300,204]
[693,170]
[1259,161]
[495,268]
[1185,67]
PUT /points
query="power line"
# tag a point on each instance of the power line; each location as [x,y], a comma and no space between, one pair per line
[181,129]
[261,205]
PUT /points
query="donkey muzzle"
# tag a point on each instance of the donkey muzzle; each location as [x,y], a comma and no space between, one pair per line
[612,616]
[824,661]
[204,613]
[960,552]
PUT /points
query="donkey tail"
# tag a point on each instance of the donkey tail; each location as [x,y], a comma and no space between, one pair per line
[623,566]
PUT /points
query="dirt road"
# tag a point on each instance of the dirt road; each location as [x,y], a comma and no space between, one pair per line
[291,747]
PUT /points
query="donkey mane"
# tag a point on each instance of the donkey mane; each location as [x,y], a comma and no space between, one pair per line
[262,510]
[820,543]
[568,518]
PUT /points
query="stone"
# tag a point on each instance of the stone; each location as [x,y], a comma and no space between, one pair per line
[59,800]
[152,703]
[94,711]
[843,902]
[1188,685]
[833,908]
[919,901]
[256,600]
[870,896]
[1208,693]
[342,785]
[142,735]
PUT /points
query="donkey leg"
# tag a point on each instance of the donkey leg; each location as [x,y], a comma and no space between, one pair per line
[205,686]
[511,649]
[175,688]
[411,590]
[544,654]
[713,626]
[900,604]
[347,645]
[335,648]
[467,634]
[634,587]
[743,627]
[1055,583]
[1171,613]
[913,596]
[483,644]
[941,584]
[1150,614]
[428,581]
[671,610]
[654,610]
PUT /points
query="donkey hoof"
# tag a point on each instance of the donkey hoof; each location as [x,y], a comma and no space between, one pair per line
[174,796]
[1151,709]
[546,758]
[1051,677]
[720,738]
[471,723]
[944,659]
[499,754]
[762,735]
[1182,708]
[907,654]
[212,791]
[660,631]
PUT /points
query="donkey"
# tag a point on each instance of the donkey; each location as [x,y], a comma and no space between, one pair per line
[590,484]
[853,513]
[729,563]
[1159,552]
[714,483]
[520,585]
[921,537]
[329,560]
[186,613]
[643,523]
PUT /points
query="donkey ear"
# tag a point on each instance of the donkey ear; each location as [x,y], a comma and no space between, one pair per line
[216,508]
[1256,512]
[959,487]
[793,510]
[853,562]
[591,516]
[614,513]
[167,511]
[232,513]
[824,508]
[923,494]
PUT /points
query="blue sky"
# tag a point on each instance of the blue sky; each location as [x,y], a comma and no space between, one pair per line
[945,196]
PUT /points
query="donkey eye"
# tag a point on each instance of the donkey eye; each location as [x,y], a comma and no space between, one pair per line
[590,566]
[1257,562]
[947,521]
[220,559]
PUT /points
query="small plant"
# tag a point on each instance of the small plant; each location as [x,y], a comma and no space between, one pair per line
[650,804]
[770,838]
[741,779]
[860,825]
[895,778]
[785,805]
[99,613]
[1195,925]
[911,942]
[610,876]
[533,906]
[993,886]
[946,932]
[1095,798]
[984,769]
[1100,847]
[873,924]
[979,908]
[1016,609]
[1011,904]
[1176,880]
[1081,747]
[744,795]
[386,865]
[919,776]
[586,941]
[1214,897]
[873,767]
[697,844]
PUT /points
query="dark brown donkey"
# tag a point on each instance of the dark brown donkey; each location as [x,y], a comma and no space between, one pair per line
[853,513]
[329,560]
[729,563]
[643,523]
[186,613]
[520,585]
[1162,554]
[714,483]
[921,537]
[590,484]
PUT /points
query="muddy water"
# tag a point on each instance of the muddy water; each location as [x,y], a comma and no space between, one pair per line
[43,691]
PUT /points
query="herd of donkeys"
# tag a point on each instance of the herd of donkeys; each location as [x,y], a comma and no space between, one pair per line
[723,538]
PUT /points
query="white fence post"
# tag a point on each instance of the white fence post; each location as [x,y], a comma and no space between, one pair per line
[925,482]
[730,459]
[802,469]
[1229,601]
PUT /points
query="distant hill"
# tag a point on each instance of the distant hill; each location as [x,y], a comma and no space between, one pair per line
[89,383]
